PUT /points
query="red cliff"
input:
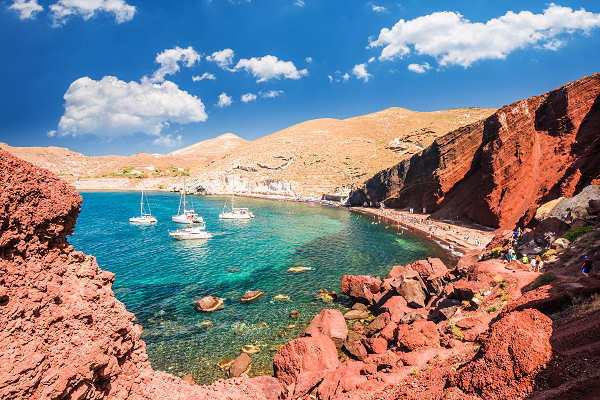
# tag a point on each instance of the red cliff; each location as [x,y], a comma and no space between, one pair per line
[499,170]
[63,334]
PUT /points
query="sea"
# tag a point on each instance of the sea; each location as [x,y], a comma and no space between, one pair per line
[158,279]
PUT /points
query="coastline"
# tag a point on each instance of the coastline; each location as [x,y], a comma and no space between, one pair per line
[457,239]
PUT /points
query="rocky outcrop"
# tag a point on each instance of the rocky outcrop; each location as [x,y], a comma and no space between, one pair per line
[63,334]
[499,170]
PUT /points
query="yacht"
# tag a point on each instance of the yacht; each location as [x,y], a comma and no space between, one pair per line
[235,213]
[144,218]
[193,232]
[186,215]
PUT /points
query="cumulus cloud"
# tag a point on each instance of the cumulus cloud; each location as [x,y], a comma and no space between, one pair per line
[170,59]
[308,59]
[224,100]
[338,76]
[206,75]
[26,9]
[299,3]
[271,94]
[419,68]
[360,72]
[454,40]
[377,8]
[111,107]
[248,97]
[223,58]
[51,133]
[371,60]
[63,9]
[270,67]
[168,140]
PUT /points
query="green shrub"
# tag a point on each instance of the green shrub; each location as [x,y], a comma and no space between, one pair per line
[496,251]
[548,253]
[543,279]
[576,233]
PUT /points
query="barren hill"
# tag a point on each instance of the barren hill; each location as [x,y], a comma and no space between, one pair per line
[311,158]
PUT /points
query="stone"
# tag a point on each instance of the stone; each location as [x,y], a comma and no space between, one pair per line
[188,379]
[359,306]
[209,304]
[378,323]
[560,244]
[417,335]
[356,349]
[356,314]
[377,345]
[361,287]
[305,354]
[250,349]
[294,314]
[411,317]
[330,323]
[396,307]
[412,291]
[241,365]
[251,296]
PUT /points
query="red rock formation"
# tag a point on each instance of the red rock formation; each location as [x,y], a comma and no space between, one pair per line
[498,171]
[330,323]
[63,334]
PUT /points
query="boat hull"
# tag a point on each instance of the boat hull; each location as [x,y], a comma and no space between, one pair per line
[143,220]
[186,219]
[190,236]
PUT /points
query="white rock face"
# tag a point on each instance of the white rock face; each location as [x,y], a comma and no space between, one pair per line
[233,183]
[569,208]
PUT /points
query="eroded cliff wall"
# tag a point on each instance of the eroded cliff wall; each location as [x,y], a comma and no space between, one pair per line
[63,334]
[498,171]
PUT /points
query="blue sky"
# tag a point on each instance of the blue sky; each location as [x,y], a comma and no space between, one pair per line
[116,76]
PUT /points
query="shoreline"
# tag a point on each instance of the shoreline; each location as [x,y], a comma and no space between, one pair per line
[457,239]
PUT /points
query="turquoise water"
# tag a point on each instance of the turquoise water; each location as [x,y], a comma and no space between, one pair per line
[158,279]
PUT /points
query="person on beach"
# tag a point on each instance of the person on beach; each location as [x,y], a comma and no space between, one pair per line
[539,262]
[533,263]
[587,266]
[525,260]
[511,254]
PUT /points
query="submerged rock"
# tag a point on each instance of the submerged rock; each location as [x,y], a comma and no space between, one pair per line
[251,295]
[241,365]
[250,349]
[209,304]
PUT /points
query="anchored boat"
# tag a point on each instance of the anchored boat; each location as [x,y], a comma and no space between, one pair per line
[144,218]
[235,213]
[186,215]
[194,232]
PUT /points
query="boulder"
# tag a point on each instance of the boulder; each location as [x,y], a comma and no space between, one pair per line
[330,323]
[241,365]
[209,304]
[389,332]
[396,307]
[560,244]
[517,347]
[251,295]
[306,354]
[361,288]
[378,323]
[465,289]
[411,290]
[411,317]
[356,314]
[417,335]
[356,349]
[270,387]
[377,345]
[188,379]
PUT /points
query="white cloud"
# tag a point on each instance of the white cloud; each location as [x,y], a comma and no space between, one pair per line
[299,3]
[270,67]
[419,68]
[271,94]
[63,9]
[168,140]
[51,133]
[170,59]
[308,59]
[248,97]
[111,107]
[554,44]
[338,77]
[223,58]
[454,40]
[377,8]
[206,75]
[346,76]
[224,100]
[371,60]
[330,78]
[26,9]
[360,71]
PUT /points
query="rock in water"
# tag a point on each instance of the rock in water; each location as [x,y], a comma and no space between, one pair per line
[330,323]
[209,304]
[251,296]
[241,365]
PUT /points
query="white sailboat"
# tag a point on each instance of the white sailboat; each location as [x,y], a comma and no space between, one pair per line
[235,213]
[144,218]
[193,232]
[186,215]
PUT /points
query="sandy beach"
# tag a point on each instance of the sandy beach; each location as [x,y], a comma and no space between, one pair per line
[459,237]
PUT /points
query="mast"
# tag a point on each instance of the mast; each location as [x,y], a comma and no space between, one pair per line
[184,207]
[142,204]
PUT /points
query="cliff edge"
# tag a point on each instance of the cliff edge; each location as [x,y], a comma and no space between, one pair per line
[63,334]
[498,171]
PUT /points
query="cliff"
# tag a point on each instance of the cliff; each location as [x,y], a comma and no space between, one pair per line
[63,334]
[497,171]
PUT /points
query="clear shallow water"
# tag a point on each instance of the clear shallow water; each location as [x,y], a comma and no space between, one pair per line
[158,279]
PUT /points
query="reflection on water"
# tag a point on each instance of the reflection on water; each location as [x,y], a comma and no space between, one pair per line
[158,279]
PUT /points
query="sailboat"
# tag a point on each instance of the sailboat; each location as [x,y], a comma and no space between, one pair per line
[235,213]
[186,215]
[193,232]
[143,219]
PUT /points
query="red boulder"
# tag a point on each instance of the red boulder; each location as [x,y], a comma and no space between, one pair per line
[330,323]
[419,334]
[361,287]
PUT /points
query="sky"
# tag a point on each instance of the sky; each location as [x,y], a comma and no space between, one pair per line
[128,76]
